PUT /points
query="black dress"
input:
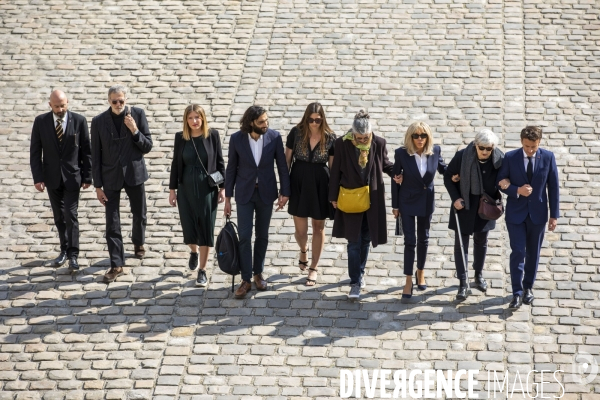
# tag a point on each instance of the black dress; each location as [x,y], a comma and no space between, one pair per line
[197,201]
[309,178]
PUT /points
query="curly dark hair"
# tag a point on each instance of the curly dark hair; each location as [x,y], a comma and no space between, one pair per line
[533,133]
[251,115]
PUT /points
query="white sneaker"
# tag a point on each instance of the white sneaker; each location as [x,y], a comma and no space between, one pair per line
[363,284]
[354,291]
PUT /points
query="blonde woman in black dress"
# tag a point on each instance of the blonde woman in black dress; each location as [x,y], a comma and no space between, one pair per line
[197,152]
[309,153]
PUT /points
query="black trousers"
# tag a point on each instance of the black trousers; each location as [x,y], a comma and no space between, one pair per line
[416,235]
[480,240]
[114,239]
[64,205]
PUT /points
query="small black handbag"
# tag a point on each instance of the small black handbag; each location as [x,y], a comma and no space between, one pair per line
[214,179]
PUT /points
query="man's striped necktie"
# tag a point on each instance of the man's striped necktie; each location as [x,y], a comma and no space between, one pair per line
[59,130]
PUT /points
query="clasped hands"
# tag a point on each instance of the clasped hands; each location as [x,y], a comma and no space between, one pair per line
[399,178]
[524,190]
[281,202]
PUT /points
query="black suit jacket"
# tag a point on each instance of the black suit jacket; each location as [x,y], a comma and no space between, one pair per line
[242,171]
[212,144]
[118,157]
[416,195]
[69,161]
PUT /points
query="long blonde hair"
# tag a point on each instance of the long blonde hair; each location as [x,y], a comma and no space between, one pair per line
[187,132]
[408,141]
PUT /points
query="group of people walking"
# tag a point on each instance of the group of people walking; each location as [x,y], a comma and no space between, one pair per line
[320,177]
[63,162]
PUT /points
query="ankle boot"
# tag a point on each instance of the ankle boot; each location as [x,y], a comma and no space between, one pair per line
[463,290]
[480,283]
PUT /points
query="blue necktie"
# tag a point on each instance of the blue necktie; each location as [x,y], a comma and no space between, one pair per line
[530,169]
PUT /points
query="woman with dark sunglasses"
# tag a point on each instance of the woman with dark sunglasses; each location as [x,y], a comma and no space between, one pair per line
[310,147]
[478,166]
[413,198]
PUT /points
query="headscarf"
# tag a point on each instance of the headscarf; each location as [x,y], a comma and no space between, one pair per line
[364,148]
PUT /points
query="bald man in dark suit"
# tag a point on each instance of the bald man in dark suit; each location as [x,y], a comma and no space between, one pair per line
[61,161]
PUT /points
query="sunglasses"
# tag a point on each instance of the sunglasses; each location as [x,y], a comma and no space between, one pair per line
[315,121]
[118,101]
[417,136]
[482,148]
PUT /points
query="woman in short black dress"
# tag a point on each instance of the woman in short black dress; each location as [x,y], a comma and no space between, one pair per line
[310,146]
[197,151]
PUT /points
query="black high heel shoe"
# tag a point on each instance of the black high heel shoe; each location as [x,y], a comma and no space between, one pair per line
[420,287]
[412,289]
[303,264]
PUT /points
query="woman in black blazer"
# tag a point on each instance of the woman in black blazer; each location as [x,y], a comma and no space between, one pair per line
[197,153]
[417,161]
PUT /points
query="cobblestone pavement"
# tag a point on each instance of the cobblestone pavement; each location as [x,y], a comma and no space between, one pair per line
[461,65]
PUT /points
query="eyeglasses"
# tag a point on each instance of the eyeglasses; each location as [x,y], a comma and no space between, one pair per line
[482,148]
[118,101]
[315,121]
[417,136]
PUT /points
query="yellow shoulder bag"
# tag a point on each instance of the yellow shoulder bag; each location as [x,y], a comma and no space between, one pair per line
[354,201]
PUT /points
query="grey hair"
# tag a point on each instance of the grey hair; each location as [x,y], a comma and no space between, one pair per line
[486,137]
[117,89]
[361,124]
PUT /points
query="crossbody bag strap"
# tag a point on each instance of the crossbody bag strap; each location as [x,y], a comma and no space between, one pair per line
[198,155]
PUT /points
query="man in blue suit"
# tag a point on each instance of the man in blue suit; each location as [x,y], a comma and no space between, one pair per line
[252,151]
[529,178]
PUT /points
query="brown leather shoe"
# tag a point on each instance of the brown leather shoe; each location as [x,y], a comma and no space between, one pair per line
[112,274]
[260,283]
[243,290]
[139,251]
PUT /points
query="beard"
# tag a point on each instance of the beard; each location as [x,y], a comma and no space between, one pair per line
[61,114]
[259,131]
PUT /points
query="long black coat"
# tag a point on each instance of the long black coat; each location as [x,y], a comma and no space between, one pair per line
[69,161]
[118,157]
[469,219]
[212,144]
[345,172]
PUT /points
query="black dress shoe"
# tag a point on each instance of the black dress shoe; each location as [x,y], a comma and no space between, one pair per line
[61,259]
[193,262]
[480,283]
[528,297]
[463,290]
[73,266]
[516,302]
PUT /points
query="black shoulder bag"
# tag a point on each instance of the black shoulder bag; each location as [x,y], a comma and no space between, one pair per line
[214,179]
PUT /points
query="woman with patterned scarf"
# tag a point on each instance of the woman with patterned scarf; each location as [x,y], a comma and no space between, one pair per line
[359,163]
